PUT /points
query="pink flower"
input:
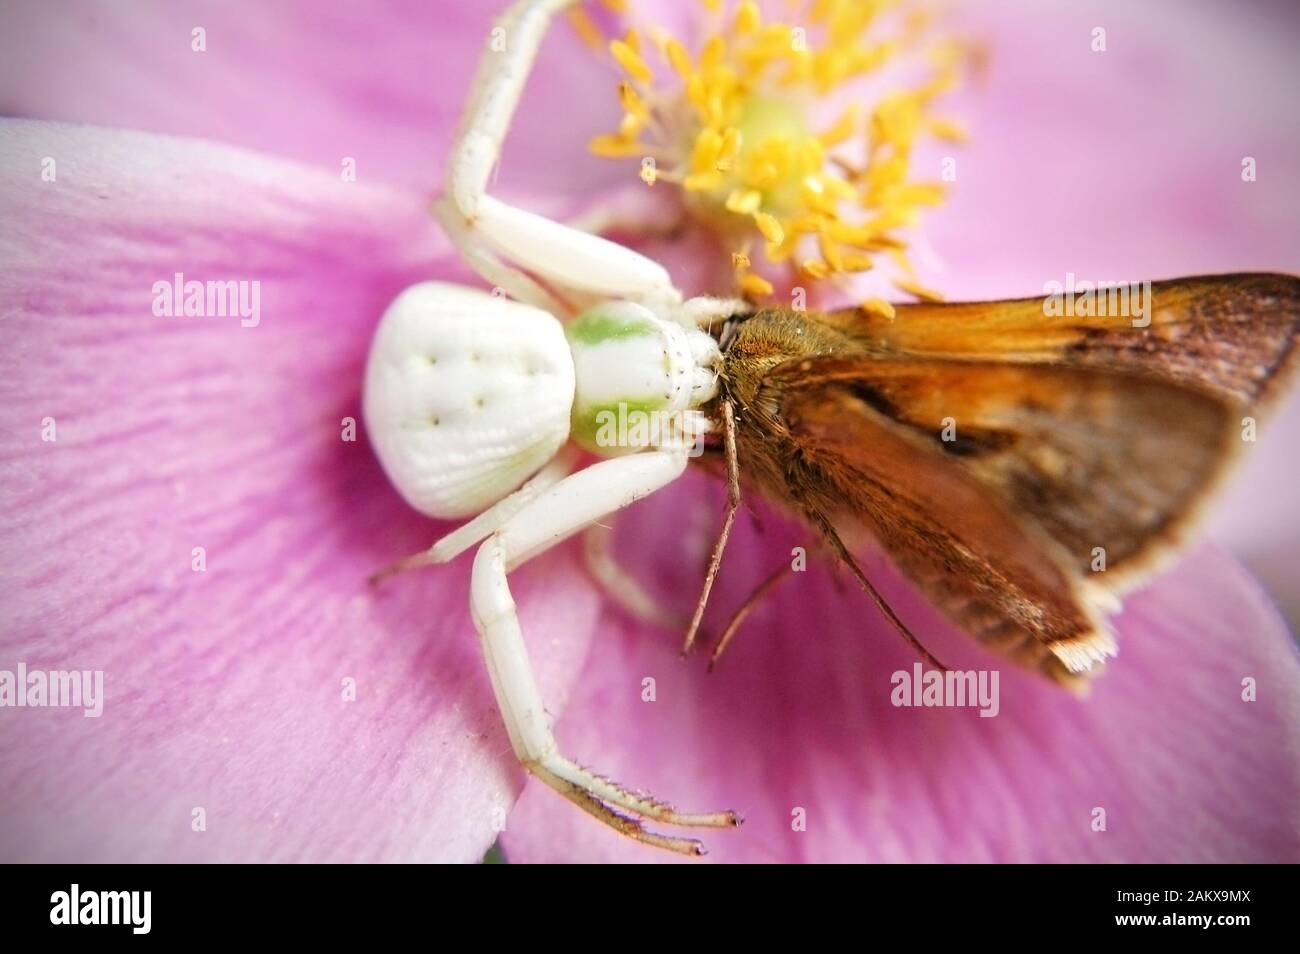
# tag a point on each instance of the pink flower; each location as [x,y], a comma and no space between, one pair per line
[272,706]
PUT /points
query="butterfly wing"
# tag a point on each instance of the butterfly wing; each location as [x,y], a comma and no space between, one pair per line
[1231,334]
[995,486]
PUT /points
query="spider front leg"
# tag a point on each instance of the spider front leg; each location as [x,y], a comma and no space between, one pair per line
[488,229]
[559,512]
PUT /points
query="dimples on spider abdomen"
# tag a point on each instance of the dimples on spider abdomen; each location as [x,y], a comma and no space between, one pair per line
[466,395]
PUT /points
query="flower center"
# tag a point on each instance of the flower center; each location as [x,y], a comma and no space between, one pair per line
[739,132]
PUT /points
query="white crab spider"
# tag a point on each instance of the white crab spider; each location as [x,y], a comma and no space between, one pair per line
[474,403]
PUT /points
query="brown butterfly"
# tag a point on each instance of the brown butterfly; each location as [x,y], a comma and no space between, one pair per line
[999,450]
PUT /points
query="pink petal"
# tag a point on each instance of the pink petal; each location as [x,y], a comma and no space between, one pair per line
[1259,516]
[224,689]
[315,83]
[799,716]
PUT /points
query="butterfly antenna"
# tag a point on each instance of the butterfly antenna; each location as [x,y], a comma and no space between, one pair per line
[733,504]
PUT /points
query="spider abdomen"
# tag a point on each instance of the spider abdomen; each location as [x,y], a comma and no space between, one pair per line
[467,394]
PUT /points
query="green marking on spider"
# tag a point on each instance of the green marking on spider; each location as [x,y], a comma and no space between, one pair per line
[618,427]
[601,324]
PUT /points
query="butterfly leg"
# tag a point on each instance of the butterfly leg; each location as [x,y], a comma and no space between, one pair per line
[556,514]
[738,617]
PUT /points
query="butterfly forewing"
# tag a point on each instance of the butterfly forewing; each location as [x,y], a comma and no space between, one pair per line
[1234,334]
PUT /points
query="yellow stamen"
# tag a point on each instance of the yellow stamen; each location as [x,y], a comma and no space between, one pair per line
[632,103]
[807,224]
[748,17]
[631,62]
[586,29]
[814,269]
[755,285]
[614,147]
[708,149]
[631,125]
[831,252]
[770,228]
[744,202]
[916,288]
[855,262]
[948,131]
[713,53]
[679,58]
[736,135]
[878,306]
